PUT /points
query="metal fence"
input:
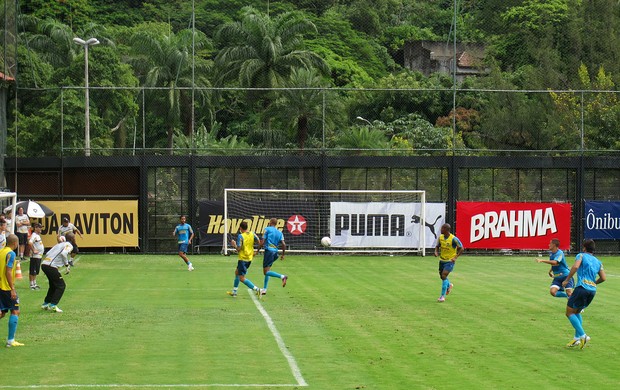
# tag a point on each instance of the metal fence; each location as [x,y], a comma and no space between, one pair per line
[166,186]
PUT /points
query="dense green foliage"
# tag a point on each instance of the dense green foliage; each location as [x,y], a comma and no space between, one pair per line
[229,77]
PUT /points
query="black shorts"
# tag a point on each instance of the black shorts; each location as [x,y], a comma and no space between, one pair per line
[23,238]
[35,266]
[6,303]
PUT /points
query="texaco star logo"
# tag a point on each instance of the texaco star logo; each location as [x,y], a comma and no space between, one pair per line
[296,225]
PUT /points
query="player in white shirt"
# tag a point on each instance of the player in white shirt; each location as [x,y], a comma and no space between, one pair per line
[55,258]
[22,223]
[66,228]
[3,233]
[36,253]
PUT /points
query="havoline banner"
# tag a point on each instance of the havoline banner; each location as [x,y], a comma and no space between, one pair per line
[602,220]
[300,223]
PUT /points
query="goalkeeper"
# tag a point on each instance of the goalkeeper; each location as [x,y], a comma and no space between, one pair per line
[245,248]
[57,257]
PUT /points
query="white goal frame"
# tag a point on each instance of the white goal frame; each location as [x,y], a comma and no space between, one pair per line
[12,198]
[418,196]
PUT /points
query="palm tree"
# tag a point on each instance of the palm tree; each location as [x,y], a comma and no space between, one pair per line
[164,60]
[261,52]
[303,102]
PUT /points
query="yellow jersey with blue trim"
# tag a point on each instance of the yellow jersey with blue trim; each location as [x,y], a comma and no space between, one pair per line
[245,245]
[7,259]
[447,246]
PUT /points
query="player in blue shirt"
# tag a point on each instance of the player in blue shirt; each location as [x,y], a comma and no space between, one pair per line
[184,234]
[590,273]
[558,271]
[272,240]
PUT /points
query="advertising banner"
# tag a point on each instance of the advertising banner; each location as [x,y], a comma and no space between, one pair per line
[507,225]
[303,225]
[296,221]
[382,224]
[103,223]
[602,220]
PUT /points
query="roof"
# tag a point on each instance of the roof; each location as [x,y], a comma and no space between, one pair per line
[6,77]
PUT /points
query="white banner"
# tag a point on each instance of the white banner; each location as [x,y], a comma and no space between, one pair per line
[383,225]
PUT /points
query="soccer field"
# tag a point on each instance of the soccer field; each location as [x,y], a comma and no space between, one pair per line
[342,322]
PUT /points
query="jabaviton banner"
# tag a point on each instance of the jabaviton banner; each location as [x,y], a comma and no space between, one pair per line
[103,223]
[507,225]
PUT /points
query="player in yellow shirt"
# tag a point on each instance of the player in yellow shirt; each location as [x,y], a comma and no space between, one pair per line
[448,248]
[9,301]
[245,249]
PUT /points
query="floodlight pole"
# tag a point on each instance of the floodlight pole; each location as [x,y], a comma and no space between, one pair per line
[86,45]
[359,118]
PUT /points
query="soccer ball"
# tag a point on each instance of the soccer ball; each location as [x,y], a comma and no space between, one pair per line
[326,241]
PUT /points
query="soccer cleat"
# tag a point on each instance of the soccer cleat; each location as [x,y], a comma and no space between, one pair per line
[232,294]
[13,343]
[37,287]
[583,341]
[258,293]
[55,309]
[573,343]
[45,306]
[449,288]
[33,287]
[190,267]
[263,291]
[284,279]
[441,299]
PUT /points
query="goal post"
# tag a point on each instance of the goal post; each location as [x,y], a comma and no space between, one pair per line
[8,200]
[357,221]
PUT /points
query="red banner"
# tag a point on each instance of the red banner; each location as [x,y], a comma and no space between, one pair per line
[506,225]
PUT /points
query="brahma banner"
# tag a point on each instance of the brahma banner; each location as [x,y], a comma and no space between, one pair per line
[602,220]
[506,225]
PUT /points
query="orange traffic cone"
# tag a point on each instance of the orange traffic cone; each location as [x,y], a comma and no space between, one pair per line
[18,271]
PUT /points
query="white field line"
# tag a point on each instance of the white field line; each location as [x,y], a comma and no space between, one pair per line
[289,357]
[276,335]
[127,386]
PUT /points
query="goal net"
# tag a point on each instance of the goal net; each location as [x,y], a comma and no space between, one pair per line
[355,221]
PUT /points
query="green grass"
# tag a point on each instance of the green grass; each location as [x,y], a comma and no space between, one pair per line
[348,322]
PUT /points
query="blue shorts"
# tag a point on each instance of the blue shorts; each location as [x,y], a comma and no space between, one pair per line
[581,298]
[558,282]
[6,303]
[242,267]
[269,258]
[445,266]
[183,248]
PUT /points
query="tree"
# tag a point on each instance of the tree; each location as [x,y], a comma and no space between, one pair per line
[300,105]
[359,138]
[162,59]
[261,52]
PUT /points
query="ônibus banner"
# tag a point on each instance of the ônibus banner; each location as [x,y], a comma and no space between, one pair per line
[507,225]
[602,220]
